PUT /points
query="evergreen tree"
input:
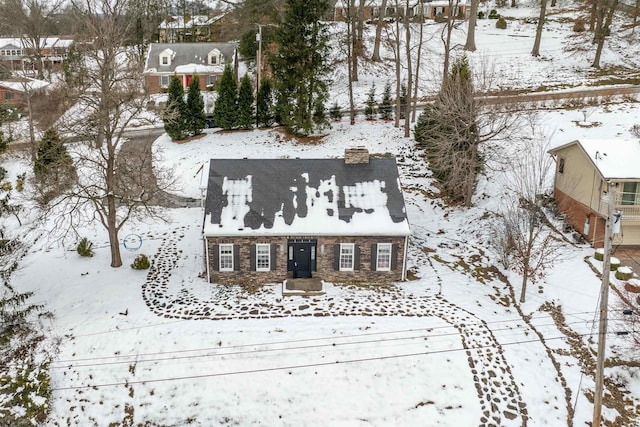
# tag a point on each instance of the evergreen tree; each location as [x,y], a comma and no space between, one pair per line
[299,66]
[245,117]
[385,109]
[335,112]
[175,112]
[370,108]
[226,106]
[196,119]
[403,100]
[53,166]
[448,131]
[264,104]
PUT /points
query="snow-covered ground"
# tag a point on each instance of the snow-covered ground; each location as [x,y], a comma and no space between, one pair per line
[450,348]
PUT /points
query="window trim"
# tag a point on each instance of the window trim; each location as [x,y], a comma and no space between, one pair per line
[258,255]
[389,248]
[561,165]
[352,248]
[168,80]
[228,247]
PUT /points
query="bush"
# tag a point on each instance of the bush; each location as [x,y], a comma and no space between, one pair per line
[501,23]
[624,273]
[578,26]
[335,113]
[635,130]
[85,247]
[481,15]
[440,18]
[493,14]
[599,254]
[141,262]
[615,263]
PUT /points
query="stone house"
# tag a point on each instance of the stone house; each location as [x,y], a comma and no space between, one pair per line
[583,169]
[339,220]
[185,60]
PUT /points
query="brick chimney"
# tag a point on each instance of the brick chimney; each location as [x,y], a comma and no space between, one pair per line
[356,155]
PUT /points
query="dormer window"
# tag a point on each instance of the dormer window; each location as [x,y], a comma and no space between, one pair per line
[166,56]
[214,57]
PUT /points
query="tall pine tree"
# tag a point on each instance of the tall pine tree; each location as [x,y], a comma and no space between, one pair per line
[264,104]
[299,66]
[175,112]
[245,118]
[226,106]
[196,119]
[385,108]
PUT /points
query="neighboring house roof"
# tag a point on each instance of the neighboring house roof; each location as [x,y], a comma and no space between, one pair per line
[615,159]
[178,22]
[46,42]
[24,84]
[304,197]
[187,57]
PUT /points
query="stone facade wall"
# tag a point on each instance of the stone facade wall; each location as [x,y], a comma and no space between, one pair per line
[325,259]
[356,155]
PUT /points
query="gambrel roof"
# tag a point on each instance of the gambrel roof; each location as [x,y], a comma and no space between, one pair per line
[304,197]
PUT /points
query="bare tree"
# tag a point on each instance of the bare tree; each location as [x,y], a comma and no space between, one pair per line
[30,20]
[470,44]
[454,127]
[530,243]
[604,17]
[407,45]
[349,19]
[109,189]
[451,24]
[418,63]
[380,23]
[543,13]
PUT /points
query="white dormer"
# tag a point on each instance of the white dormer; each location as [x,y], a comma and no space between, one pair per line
[215,57]
[165,57]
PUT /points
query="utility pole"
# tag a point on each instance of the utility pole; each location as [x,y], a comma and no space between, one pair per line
[604,308]
[259,58]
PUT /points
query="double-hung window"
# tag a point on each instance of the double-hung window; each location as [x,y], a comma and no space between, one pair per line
[263,257]
[226,257]
[383,257]
[164,81]
[346,256]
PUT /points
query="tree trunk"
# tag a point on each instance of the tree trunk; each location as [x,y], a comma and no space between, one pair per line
[447,40]
[593,14]
[379,24]
[525,278]
[513,3]
[354,48]
[541,18]
[352,110]
[470,45]
[602,32]
[397,58]
[418,63]
[407,46]
[112,220]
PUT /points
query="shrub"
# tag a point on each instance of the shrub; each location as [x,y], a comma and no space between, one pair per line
[335,112]
[635,129]
[599,254]
[615,263]
[481,15]
[624,273]
[493,14]
[578,26]
[85,247]
[501,23]
[440,18]
[141,262]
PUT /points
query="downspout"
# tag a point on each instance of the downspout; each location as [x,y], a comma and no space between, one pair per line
[206,251]
[404,260]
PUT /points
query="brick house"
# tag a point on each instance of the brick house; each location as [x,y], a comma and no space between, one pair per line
[185,60]
[14,91]
[339,220]
[583,168]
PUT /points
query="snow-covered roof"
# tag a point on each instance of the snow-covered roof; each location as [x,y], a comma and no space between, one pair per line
[46,42]
[613,158]
[175,22]
[23,85]
[278,197]
[188,55]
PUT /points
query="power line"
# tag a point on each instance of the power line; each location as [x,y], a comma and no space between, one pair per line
[299,366]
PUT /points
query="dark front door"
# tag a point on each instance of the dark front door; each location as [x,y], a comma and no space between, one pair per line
[302,259]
